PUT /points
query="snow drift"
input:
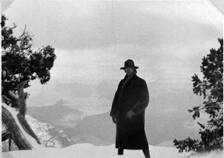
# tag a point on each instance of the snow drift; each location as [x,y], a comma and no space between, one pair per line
[91,151]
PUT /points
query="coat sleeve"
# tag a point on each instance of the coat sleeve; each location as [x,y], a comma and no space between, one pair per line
[115,102]
[143,98]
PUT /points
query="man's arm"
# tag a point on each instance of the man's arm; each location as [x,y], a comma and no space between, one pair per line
[143,99]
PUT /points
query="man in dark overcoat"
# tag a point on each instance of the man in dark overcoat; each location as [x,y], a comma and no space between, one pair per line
[128,111]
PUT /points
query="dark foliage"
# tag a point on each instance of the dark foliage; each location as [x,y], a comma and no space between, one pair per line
[210,87]
[20,62]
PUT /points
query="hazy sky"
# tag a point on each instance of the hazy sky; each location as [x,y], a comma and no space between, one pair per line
[92,38]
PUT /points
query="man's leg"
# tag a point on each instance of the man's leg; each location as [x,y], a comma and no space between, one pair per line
[120,151]
[146,152]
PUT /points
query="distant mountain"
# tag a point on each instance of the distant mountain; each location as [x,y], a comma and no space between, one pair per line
[6,4]
[56,90]
[99,129]
[58,114]
[166,117]
[95,129]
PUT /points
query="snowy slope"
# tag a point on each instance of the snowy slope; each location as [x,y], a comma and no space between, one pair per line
[48,135]
[91,151]
[33,142]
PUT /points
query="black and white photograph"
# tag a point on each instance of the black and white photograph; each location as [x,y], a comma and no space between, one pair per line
[112,78]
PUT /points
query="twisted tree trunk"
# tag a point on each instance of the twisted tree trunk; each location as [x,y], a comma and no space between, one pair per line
[27,127]
[16,133]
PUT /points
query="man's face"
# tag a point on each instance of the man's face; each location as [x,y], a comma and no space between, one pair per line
[129,70]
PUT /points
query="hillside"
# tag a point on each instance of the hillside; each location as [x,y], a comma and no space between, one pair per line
[57,114]
[48,135]
[99,129]
[163,124]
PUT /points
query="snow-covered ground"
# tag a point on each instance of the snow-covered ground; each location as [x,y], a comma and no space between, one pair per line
[91,151]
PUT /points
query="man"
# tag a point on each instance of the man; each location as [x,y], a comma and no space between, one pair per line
[128,111]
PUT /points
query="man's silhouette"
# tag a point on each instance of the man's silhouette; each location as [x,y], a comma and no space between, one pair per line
[128,111]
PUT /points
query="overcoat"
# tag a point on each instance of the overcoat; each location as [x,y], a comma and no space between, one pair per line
[130,95]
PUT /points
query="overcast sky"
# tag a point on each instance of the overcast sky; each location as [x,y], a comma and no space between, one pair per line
[92,38]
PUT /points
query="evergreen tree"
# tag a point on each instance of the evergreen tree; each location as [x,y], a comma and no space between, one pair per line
[210,87]
[20,65]
[20,62]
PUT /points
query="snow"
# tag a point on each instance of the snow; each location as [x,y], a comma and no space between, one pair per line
[42,131]
[14,113]
[49,135]
[91,151]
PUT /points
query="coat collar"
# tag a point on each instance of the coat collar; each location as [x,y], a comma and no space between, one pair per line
[126,79]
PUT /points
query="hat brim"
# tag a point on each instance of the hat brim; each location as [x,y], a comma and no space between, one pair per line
[122,68]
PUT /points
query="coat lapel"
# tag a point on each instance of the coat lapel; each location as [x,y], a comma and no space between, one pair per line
[127,80]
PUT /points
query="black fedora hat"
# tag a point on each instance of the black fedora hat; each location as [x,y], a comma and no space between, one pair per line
[129,64]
